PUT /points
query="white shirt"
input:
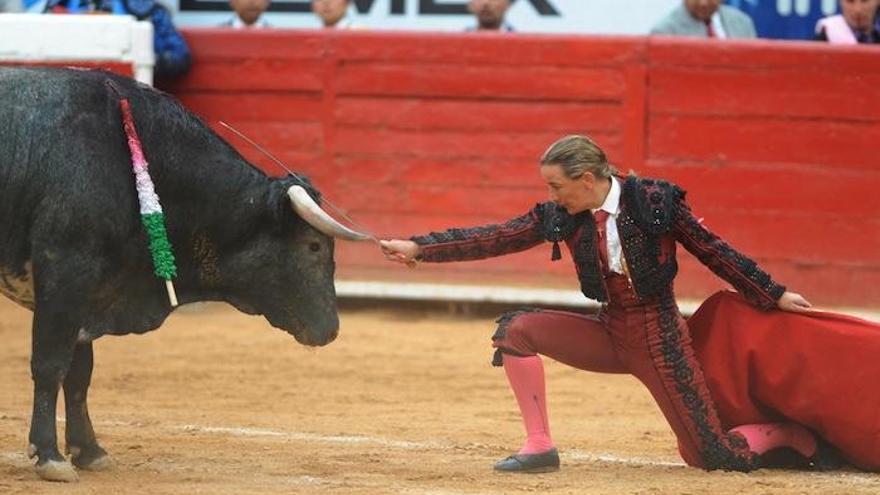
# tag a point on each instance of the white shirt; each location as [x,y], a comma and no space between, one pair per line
[717,25]
[345,23]
[237,23]
[612,206]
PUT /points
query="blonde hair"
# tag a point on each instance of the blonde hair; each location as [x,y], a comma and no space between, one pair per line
[577,155]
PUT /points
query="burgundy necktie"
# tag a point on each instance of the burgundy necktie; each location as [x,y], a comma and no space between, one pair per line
[710,31]
[601,216]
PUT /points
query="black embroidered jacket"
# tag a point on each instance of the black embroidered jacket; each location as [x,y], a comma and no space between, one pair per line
[653,215]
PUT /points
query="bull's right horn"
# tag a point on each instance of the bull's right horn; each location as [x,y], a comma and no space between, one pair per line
[308,210]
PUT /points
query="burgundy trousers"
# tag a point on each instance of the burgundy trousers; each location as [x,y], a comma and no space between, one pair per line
[646,338]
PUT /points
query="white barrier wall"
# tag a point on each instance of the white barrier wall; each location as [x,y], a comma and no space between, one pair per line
[71,38]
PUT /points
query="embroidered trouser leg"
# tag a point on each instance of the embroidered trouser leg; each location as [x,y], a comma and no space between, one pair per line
[652,343]
[656,347]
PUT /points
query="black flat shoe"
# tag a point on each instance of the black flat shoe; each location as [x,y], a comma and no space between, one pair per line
[827,457]
[544,462]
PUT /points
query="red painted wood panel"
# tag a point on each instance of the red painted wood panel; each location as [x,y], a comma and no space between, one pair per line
[804,57]
[432,199]
[715,140]
[771,92]
[412,132]
[635,115]
[477,81]
[458,143]
[795,190]
[452,172]
[231,105]
[425,114]
[276,135]
[257,74]
[488,49]
[219,44]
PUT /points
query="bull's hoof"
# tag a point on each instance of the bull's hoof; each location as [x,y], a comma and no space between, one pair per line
[57,471]
[91,459]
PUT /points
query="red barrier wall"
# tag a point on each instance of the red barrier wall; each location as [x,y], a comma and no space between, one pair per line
[412,132]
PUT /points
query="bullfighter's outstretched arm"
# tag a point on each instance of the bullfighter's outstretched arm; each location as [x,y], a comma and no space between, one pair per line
[487,241]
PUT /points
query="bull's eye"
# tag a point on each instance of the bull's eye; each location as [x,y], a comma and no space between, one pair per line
[314,247]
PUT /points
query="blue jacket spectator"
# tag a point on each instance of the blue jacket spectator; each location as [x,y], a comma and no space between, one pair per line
[172,53]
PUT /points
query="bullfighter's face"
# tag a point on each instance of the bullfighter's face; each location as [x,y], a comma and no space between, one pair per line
[574,194]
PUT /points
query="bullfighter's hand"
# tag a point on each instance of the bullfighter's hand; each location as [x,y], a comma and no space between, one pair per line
[401,251]
[791,301]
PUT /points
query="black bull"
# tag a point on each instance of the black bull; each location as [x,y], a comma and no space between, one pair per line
[73,250]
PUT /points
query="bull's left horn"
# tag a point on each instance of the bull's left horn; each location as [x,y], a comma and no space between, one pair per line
[308,210]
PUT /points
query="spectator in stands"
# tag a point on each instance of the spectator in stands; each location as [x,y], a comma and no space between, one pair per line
[10,6]
[858,22]
[706,19]
[490,15]
[333,13]
[248,14]
[172,53]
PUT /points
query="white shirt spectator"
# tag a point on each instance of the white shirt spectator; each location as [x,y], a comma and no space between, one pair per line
[236,23]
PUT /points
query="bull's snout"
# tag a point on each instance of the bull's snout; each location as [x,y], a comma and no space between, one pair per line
[319,335]
[316,339]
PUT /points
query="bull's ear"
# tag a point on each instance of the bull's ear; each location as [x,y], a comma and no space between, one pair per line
[306,183]
[279,201]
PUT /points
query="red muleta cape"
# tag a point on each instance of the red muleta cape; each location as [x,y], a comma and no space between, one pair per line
[819,369]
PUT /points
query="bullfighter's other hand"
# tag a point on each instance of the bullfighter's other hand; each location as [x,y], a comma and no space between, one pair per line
[794,302]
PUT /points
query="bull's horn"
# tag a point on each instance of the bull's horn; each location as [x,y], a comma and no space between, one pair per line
[308,210]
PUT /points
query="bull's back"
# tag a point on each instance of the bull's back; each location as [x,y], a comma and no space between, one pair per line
[64,170]
[46,125]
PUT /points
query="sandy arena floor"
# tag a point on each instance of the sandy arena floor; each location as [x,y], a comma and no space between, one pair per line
[217,402]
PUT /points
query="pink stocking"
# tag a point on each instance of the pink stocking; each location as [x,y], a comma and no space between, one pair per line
[769,436]
[526,377]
